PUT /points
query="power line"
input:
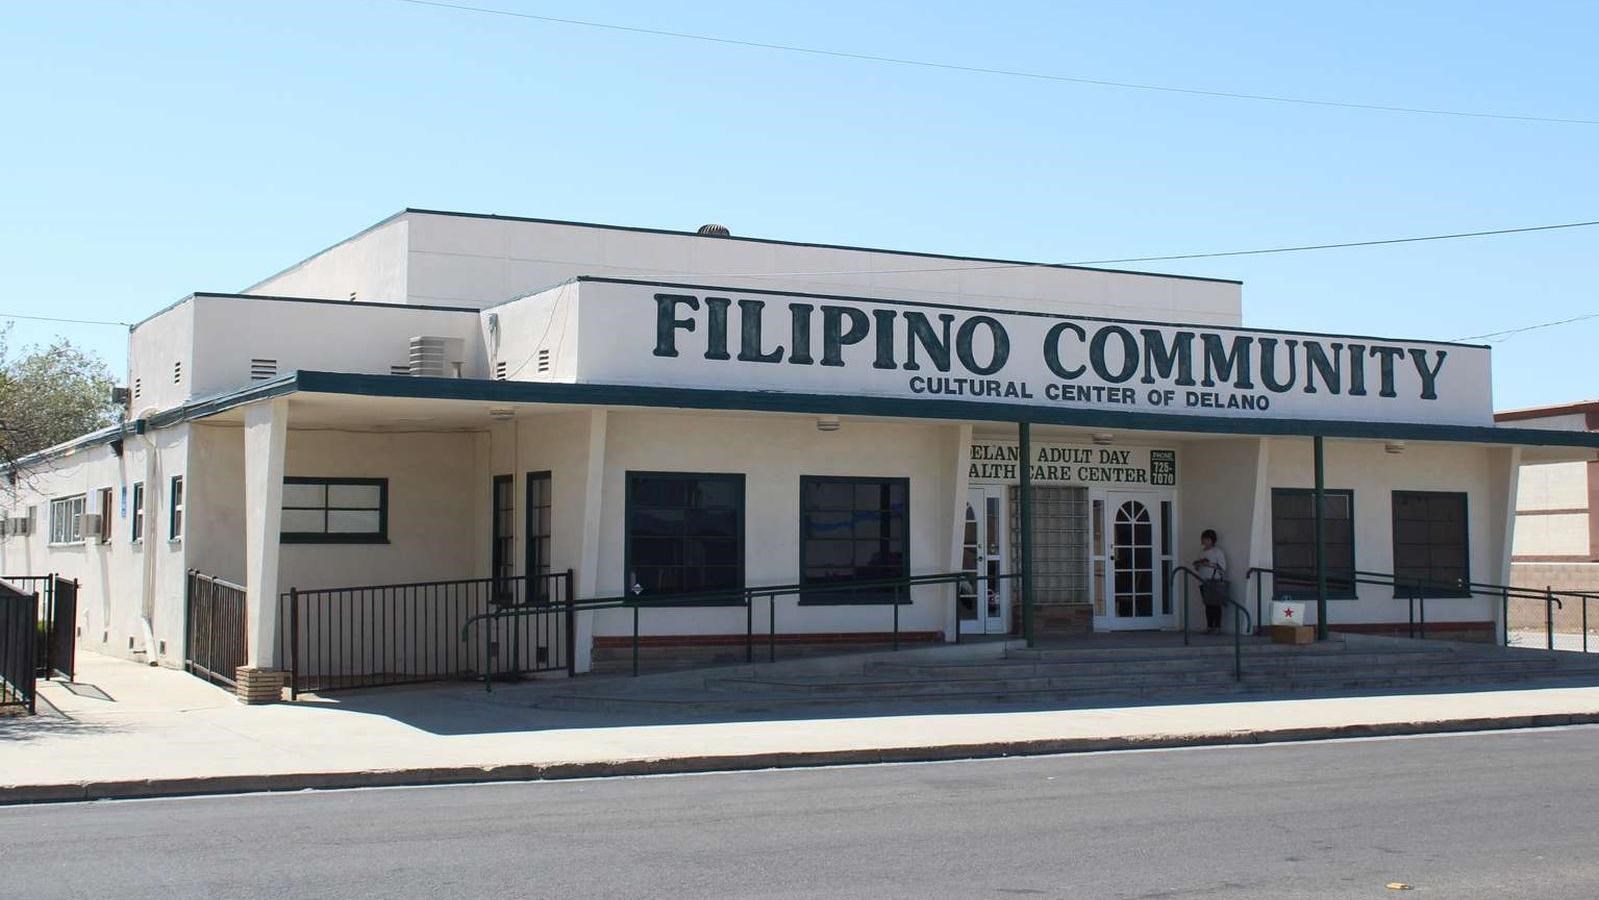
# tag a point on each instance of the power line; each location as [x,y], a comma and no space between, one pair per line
[1511,332]
[68,321]
[1298,248]
[986,70]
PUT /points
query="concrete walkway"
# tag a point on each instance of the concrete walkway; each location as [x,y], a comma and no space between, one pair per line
[126,730]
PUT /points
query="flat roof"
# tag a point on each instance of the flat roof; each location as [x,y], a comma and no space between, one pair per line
[1545,412]
[639,229]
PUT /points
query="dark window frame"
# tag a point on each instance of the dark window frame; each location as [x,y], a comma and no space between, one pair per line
[863,597]
[536,563]
[1334,591]
[107,499]
[175,500]
[1400,591]
[734,597]
[502,542]
[136,514]
[381,536]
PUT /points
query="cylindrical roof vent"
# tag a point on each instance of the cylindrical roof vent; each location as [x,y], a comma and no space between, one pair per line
[714,230]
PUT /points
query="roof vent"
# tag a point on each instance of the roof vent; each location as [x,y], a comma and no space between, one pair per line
[714,230]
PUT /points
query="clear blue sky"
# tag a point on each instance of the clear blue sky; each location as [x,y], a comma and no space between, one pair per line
[153,149]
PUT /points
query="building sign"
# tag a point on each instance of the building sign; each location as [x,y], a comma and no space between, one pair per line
[709,338]
[999,461]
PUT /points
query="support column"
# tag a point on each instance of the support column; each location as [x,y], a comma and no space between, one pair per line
[265,437]
[961,481]
[1024,438]
[589,558]
[1321,539]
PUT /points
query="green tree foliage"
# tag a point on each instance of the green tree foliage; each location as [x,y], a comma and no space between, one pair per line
[49,395]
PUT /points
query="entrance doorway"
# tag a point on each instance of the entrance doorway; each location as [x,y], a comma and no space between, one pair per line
[1134,557]
[984,606]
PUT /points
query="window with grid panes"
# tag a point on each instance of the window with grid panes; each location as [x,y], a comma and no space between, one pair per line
[685,535]
[853,529]
[1293,542]
[538,534]
[1430,543]
[335,510]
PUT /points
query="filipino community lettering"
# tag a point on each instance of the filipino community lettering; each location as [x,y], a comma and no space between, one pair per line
[961,356]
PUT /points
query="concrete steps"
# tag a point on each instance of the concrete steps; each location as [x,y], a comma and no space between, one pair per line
[973,679]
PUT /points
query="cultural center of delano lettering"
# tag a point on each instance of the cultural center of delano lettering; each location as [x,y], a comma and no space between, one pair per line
[462,445]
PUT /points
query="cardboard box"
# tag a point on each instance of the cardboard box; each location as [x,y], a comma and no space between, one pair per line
[1292,634]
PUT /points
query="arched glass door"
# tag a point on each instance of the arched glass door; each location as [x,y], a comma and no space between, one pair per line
[982,593]
[1139,550]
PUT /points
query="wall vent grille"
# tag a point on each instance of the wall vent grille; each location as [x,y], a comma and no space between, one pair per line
[177,372]
[499,370]
[399,370]
[437,357]
[262,369]
[544,361]
[138,387]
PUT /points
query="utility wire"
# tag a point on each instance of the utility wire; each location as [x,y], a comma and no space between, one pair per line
[986,70]
[68,321]
[1299,248]
[1511,332]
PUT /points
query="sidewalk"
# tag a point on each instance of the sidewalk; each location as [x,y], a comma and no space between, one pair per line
[163,732]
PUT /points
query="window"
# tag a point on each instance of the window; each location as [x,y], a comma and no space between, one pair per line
[105,515]
[685,533]
[538,534]
[503,537]
[175,522]
[1430,545]
[1293,542]
[335,511]
[138,512]
[853,529]
[66,520]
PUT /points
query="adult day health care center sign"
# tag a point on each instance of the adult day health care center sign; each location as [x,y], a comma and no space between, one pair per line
[682,336]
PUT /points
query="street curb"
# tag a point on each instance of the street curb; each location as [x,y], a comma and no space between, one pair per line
[444,775]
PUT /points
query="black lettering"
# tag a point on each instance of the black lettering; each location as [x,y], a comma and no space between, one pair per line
[800,314]
[1385,369]
[667,323]
[1052,349]
[1429,377]
[1224,366]
[1096,354]
[1001,341]
[1268,365]
[835,337]
[1331,369]
[1161,359]
[749,341]
[716,327]
[919,331]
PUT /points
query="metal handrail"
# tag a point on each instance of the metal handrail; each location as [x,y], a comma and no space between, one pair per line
[1238,610]
[746,597]
[1421,589]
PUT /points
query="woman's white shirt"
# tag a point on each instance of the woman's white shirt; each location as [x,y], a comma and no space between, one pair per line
[1212,564]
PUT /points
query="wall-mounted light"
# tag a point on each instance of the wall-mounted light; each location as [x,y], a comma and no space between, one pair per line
[1394,447]
[827,423]
[1103,439]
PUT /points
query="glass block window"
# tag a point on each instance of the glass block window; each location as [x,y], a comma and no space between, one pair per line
[1060,543]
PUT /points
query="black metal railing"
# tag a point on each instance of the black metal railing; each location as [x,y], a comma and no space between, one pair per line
[894,593]
[214,628]
[19,646]
[1239,628]
[1415,593]
[388,634]
[57,634]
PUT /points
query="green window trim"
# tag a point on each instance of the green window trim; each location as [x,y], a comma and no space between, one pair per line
[1439,509]
[658,560]
[327,536]
[136,514]
[892,514]
[175,515]
[1338,588]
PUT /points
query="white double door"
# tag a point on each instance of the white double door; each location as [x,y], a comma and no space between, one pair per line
[1133,554]
[984,606]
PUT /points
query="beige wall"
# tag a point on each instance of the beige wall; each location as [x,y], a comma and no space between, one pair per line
[129,591]
[772,453]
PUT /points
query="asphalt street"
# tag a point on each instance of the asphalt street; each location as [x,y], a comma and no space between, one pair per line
[1494,815]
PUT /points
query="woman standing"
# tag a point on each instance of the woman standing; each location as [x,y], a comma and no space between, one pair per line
[1211,566]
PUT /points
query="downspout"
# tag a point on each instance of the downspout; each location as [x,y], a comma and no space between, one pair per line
[152,482]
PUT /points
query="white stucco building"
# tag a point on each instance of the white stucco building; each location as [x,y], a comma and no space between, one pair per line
[454,402]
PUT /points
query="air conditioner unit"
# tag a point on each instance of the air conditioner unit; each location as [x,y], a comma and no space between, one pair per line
[437,357]
[19,525]
[91,526]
